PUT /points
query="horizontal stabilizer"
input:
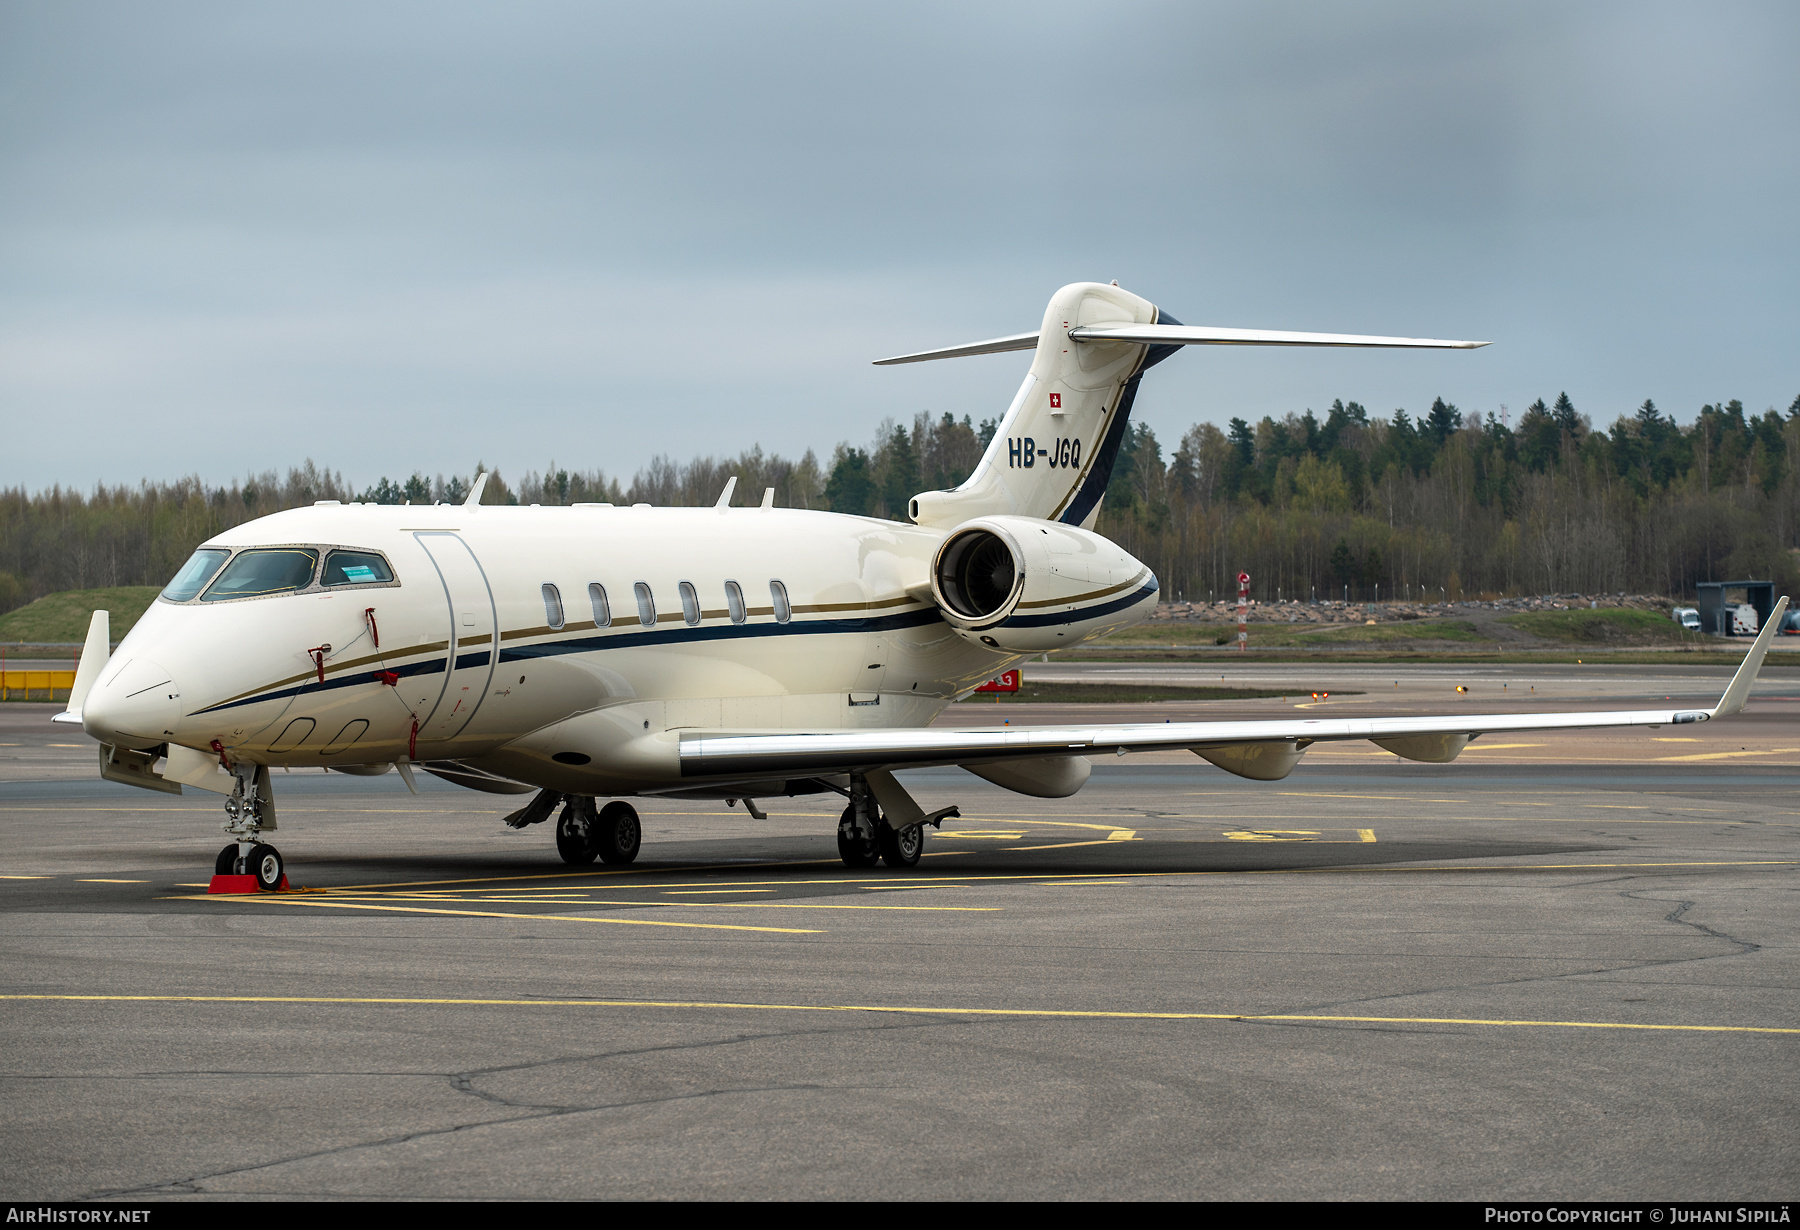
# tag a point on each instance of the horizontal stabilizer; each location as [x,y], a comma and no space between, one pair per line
[1205,335]
[1183,335]
[994,345]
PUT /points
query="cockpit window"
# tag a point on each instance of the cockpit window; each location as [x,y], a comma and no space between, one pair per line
[255,573]
[195,574]
[356,568]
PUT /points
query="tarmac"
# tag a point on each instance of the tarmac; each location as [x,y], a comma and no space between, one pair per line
[1563,967]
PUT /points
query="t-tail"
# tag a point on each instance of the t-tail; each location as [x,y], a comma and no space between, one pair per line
[1053,453]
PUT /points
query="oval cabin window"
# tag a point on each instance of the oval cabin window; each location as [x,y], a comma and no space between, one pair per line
[690,603]
[784,611]
[646,605]
[602,610]
[734,602]
[553,612]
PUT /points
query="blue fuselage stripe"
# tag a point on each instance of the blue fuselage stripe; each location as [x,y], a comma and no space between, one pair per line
[593,644]
[1086,613]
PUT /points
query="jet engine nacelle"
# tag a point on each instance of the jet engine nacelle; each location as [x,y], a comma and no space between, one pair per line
[1022,585]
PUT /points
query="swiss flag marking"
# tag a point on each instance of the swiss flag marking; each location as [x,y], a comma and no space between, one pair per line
[1056,401]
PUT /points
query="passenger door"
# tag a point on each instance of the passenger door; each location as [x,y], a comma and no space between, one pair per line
[469,663]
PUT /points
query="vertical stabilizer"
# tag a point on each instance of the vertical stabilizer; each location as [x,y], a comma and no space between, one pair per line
[1054,451]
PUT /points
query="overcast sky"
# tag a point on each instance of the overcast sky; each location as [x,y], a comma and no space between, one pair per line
[404,236]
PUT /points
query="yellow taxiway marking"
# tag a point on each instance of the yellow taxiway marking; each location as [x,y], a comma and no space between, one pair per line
[367,901]
[1058,824]
[985,836]
[1655,739]
[1773,751]
[284,899]
[676,892]
[894,888]
[112,881]
[905,1009]
[1367,835]
[1499,747]
[1386,798]
[1122,835]
[32,878]
[1063,845]
[1271,834]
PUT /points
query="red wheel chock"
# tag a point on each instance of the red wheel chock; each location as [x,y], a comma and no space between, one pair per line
[241,885]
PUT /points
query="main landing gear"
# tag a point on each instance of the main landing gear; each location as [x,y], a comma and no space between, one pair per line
[249,813]
[866,833]
[611,834]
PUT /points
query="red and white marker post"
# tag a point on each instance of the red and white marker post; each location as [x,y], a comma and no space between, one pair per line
[1243,639]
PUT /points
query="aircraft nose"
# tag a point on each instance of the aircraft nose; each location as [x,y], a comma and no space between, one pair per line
[136,706]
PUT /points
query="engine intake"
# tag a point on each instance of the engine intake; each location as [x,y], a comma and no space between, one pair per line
[1020,585]
[978,576]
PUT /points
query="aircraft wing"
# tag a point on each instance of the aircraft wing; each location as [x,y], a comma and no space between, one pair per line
[1261,749]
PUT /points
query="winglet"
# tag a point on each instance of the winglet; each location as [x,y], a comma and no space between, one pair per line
[93,661]
[1739,690]
[475,491]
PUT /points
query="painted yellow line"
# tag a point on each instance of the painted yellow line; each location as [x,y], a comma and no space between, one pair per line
[279,899]
[1387,798]
[1773,751]
[27,877]
[1366,834]
[983,836]
[1064,845]
[802,905]
[112,881]
[1122,835]
[679,891]
[1055,824]
[905,1009]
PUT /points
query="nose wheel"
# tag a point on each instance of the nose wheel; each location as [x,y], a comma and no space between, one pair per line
[263,862]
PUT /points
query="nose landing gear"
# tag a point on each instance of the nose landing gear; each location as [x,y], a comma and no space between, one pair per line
[249,865]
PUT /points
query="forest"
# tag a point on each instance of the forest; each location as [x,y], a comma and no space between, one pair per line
[1340,504]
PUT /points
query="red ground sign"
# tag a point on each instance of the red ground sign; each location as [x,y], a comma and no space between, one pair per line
[1007,682]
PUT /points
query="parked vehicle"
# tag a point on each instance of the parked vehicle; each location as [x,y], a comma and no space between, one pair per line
[1790,624]
[1743,620]
[1687,616]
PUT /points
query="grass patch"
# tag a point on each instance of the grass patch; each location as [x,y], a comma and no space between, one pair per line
[1030,693]
[1607,627]
[1385,634]
[1283,635]
[65,616]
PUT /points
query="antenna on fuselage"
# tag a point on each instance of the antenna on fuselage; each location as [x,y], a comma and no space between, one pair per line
[475,491]
[725,495]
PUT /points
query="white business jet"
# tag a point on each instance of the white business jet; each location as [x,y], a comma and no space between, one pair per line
[595,652]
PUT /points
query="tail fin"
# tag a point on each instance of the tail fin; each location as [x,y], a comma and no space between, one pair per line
[1053,453]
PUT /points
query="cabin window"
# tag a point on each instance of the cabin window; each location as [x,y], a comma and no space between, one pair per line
[356,568]
[784,610]
[553,611]
[602,611]
[254,574]
[646,605]
[690,603]
[195,574]
[734,602]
